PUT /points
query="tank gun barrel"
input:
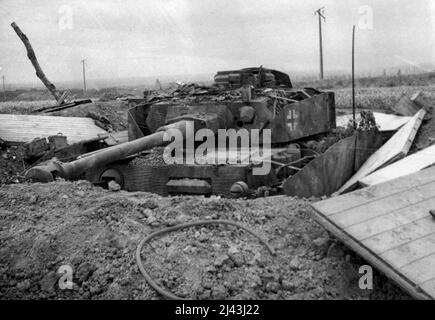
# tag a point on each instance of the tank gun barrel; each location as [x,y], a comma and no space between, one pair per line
[74,169]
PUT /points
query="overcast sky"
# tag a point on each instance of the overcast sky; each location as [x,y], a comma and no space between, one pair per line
[137,38]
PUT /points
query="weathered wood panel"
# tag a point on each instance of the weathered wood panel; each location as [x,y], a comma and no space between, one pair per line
[408,165]
[363,196]
[389,225]
[25,128]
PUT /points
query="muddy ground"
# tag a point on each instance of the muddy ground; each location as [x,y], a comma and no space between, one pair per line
[96,232]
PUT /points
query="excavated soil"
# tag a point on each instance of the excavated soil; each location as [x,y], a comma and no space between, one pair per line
[109,115]
[96,232]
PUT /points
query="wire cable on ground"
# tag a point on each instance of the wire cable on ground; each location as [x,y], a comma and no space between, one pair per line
[150,280]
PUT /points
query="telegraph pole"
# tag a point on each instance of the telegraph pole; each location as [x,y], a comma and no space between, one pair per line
[4,88]
[353,77]
[84,76]
[319,12]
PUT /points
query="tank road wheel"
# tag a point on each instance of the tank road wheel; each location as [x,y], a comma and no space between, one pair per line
[112,175]
[239,189]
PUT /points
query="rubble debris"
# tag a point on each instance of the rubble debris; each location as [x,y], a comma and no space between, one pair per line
[394,149]
[16,129]
[328,172]
[293,118]
[257,77]
[76,168]
[39,149]
[385,122]
[389,226]
[70,152]
[35,148]
[411,164]
[12,164]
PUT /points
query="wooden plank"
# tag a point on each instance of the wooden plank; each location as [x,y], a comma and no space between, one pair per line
[390,122]
[391,220]
[391,229]
[401,235]
[408,165]
[24,128]
[429,287]
[65,106]
[411,251]
[421,270]
[379,207]
[395,148]
[366,195]
[373,259]
[386,122]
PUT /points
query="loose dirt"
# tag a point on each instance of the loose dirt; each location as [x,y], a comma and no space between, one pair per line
[96,232]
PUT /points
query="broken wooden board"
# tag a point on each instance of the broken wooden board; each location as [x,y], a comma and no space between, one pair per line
[389,225]
[17,129]
[386,122]
[394,149]
[411,164]
[59,107]
[407,107]
[329,171]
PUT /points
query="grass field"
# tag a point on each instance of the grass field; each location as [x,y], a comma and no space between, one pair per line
[366,98]
[24,107]
[379,93]
[380,98]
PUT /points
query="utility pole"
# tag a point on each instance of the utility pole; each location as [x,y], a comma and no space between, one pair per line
[84,76]
[319,12]
[4,88]
[353,78]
